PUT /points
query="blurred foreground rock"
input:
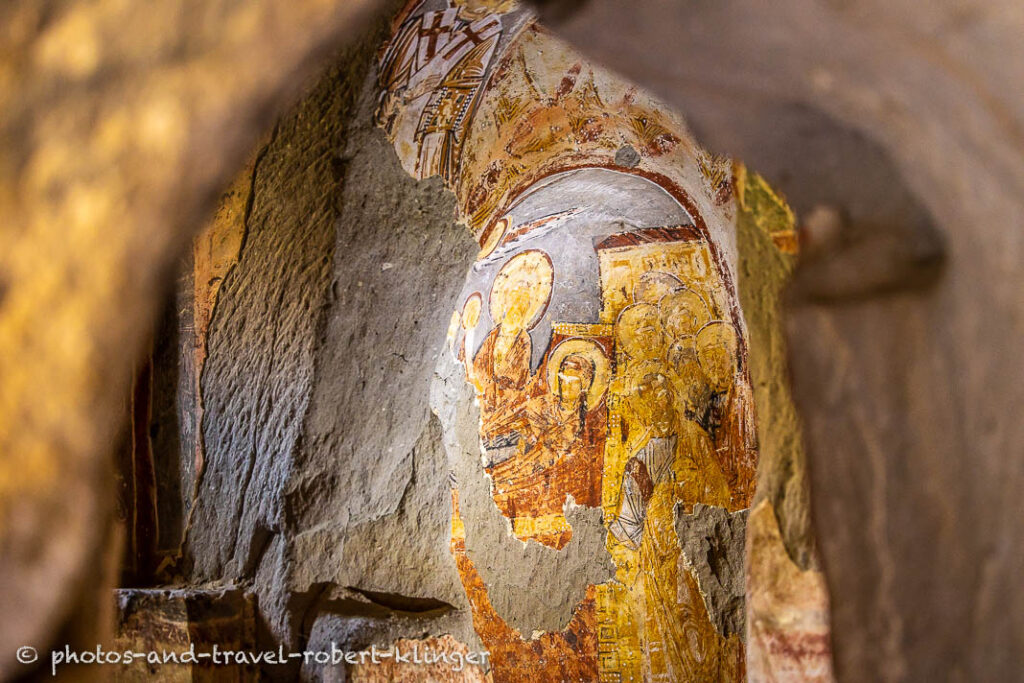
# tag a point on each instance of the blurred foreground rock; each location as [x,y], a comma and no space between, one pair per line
[908,117]
[120,125]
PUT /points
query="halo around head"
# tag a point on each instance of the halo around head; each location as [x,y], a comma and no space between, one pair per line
[653,285]
[592,352]
[528,270]
[493,237]
[630,321]
[719,332]
[634,314]
[471,311]
[684,312]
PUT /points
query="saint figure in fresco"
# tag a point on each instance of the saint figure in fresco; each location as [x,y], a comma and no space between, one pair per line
[632,400]
[500,370]
[716,346]
[671,327]
[668,450]
[670,459]
[672,462]
[429,77]
[560,449]
[664,366]
[727,415]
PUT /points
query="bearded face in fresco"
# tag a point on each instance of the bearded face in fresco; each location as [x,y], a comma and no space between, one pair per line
[716,351]
[638,331]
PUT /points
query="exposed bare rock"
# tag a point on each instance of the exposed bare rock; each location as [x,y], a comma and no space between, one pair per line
[713,542]
[120,124]
[186,623]
[323,464]
[788,627]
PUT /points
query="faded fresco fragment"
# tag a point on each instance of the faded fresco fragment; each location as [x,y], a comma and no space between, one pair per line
[788,628]
[607,367]
[788,612]
[599,331]
[547,110]
[429,76]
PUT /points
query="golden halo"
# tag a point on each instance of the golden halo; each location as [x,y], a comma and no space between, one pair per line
[635,317]
[681,299]
[528,270]
[589,350]
[471,311]
[493,237]
[717,331]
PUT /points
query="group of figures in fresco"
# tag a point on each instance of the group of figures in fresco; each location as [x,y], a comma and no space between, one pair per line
[642,408]
[636,413]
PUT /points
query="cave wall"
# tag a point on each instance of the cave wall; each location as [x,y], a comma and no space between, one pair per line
[919,92]
[120,123]
[899,333]
[320,298]
[320,294]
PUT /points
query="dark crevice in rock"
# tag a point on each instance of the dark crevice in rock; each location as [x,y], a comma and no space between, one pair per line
[261,537]
[251,200]
[327,599]
[403,603]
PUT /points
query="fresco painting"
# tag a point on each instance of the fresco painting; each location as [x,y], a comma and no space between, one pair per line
[546,109]
[429,76]
[639,410]
[599,331]
[661,453]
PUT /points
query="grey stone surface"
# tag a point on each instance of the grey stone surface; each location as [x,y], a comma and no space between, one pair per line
[368,497]
[353,622]
[325,470]
[262,343]
[627,156]
[713,542]
[888,237]
[324,467]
